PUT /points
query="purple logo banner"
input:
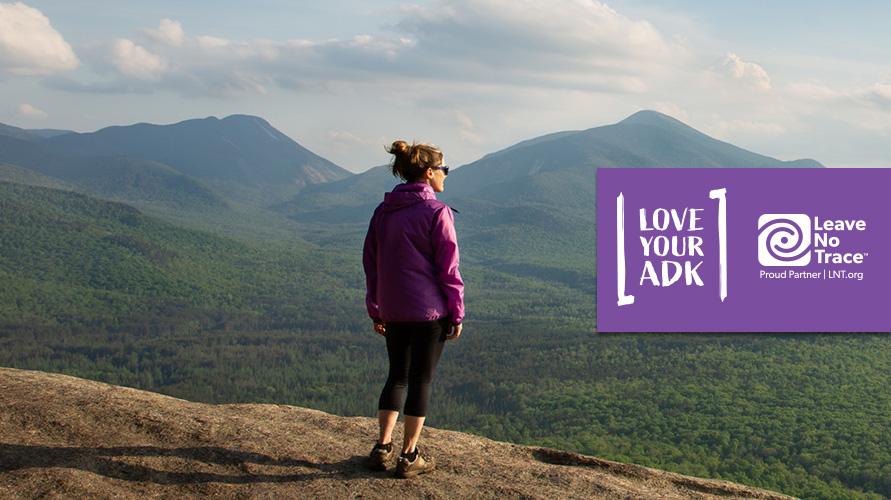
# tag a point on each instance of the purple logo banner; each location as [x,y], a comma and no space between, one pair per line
[743,250]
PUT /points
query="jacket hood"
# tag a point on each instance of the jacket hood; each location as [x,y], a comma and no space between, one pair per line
[408,194]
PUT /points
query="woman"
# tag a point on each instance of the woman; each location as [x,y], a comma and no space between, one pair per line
[415,295]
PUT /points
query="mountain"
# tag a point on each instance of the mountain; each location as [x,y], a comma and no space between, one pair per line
[24,152]
[77,438]
[151,186]
[30,134]
[146,182]
[547,185]
[644,139]
[17,133]
[68,260]
[22,175]
[101,262]
[119,178]
[521,171]
[241,156]
[211,174]
[344,199]
[46,133]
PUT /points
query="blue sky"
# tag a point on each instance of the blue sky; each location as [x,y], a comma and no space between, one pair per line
[343,78]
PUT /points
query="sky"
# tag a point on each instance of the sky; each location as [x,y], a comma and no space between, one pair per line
[345,78]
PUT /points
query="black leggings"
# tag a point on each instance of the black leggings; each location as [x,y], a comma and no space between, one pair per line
[414,350]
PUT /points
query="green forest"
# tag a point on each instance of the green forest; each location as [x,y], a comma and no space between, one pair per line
[100,290]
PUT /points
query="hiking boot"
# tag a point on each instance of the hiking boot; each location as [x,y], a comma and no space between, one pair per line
[380,456]
[410,466]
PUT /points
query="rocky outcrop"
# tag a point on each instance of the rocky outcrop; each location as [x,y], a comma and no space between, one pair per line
[69,437]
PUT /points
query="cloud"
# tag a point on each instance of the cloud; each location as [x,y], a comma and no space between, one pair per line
[113,87]
[813,91]
[564,44]
[29,45]
[748,73]
[169,32]
[876,96]
[136,62]
[26,110]
[879,95]
[211,42]
[575,44]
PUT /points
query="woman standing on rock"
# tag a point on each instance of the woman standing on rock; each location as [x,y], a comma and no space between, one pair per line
[414,295]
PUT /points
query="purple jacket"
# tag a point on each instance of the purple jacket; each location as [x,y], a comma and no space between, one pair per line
[411,258]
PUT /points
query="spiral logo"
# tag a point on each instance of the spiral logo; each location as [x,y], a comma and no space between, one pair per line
[784,240]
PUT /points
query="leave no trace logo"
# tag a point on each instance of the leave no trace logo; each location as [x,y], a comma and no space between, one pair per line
[790,240]
[784,240]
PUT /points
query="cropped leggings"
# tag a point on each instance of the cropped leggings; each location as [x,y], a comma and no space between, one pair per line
[414,349]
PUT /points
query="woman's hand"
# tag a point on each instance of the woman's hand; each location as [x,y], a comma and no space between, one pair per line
[380,328]
[455,332]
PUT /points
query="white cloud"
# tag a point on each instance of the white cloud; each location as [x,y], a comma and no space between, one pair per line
[211,42]
[29,45]
[747,72]
[570,44]
[813,91]
[879,94]
[876,96]
[169,32]
[360,40]
[574,44]
[136,62]
[26,110]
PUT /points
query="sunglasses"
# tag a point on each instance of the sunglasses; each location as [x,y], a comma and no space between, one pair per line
[444,168]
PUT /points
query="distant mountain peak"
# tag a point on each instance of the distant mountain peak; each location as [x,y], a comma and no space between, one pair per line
[243,117]
[242,154]
[646,139]
[246,121]
[650,117]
